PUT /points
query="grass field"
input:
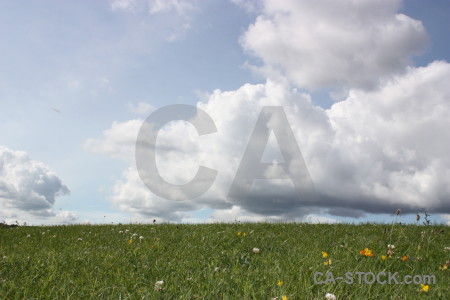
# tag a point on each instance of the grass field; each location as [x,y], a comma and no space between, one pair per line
[218,261]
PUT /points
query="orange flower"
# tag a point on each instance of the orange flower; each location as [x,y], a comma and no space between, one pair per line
[405,258]
[367,252]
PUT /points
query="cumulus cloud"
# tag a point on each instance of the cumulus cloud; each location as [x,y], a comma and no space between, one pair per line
[338,44]
[27,186]
[374,152]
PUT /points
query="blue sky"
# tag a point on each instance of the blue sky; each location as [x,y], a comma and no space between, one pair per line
[79,77]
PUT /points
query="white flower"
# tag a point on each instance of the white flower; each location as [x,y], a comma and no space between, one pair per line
[255,250]
[447,249]
[120,231]
[391,246]
[80,239]
[330,296]
[127,231]
[28,235]
[159,285]
[141,238]
[134,234]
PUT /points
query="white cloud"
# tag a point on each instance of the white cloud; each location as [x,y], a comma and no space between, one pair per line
[374,152]
[338,44]
[181,7]
[27,187]
[66,217]
[140,108]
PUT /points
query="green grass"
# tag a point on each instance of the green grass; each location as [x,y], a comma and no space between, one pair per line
[211,261]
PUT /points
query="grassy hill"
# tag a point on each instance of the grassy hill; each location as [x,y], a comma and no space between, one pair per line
[218,261]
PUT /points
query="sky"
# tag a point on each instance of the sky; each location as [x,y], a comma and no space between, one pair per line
[362,86]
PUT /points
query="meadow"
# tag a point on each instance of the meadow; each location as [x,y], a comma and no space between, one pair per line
[223,261]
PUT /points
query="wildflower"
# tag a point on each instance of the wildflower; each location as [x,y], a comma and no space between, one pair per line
[423,235]
[80,239]
[134,234]
[130,241]
[383,257]
[391,246]
[447,249]
[390,253]
[324,254]
[444,267]
[330,296]
[216,269]
[398,211]
[127,231]
[404,258]
[238,234]
[244,234]
[255,250]
[284,298]
[424,288]
[159,285]
[121,231]
[280,283]
[141,238]
[28,235]
[367,252]
[328,262]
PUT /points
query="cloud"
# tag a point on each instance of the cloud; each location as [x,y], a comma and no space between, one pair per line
[374,152]
[337,44]
[27,186]
[141,108]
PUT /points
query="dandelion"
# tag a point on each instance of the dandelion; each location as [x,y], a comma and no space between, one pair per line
[238,234]
[383,257]
[330,296]
[367,252]
[424,288]
[324,254]
[284,298]
[280,283]
[255,250]
[244,234]
[159,286]
[130,241]
[328,262]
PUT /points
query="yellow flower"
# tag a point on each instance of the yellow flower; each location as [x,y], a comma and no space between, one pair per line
[328,262]
[383,257]
[444,267]
[324,254]
[424,288]
[239,233]
[280,283]
[245,234]
[130,241]
[284,298]
[367,252]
